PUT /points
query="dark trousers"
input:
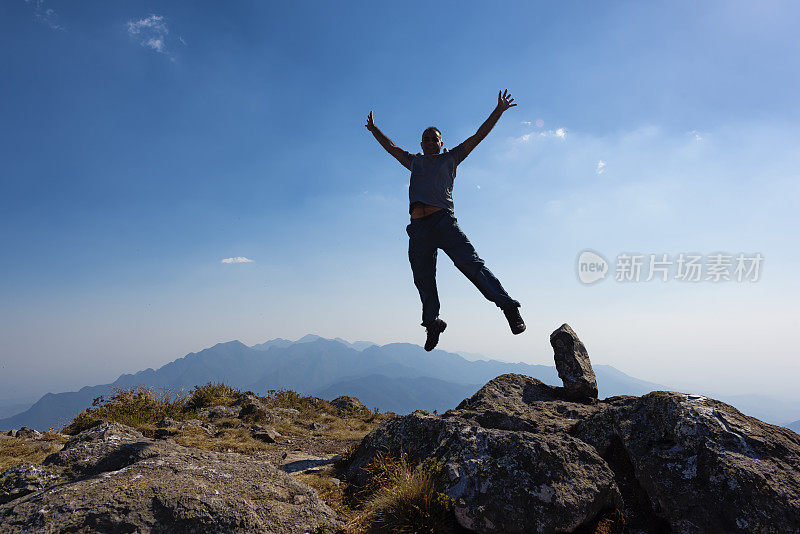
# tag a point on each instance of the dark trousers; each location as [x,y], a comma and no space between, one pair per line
[440,231]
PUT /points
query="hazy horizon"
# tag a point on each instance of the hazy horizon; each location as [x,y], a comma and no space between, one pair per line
[176,176]
[685,386]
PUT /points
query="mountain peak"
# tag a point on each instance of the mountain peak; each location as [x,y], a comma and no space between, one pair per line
[309,338]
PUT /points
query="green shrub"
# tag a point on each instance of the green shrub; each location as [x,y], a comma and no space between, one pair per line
[212,394]
[138,407]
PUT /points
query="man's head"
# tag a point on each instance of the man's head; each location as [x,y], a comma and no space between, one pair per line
[431,141]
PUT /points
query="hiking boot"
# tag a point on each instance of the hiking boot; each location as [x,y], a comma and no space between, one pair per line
[434,329]
[515,321]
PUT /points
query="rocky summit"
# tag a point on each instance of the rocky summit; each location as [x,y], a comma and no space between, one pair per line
[519,456]
[522,456]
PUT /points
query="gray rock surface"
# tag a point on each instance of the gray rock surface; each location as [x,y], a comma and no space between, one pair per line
[266,434]
[573,365]
[28,433]
[670,462]
[702,465]
[112,479]
[23,479]
[220,412]
[506,476]
[346,403]
[300,462]
[251,408]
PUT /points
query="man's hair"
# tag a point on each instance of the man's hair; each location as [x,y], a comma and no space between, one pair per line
[431,128]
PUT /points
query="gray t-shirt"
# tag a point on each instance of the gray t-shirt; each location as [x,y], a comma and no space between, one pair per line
[432,177]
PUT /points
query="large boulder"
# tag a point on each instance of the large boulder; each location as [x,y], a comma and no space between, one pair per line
[573,365]
[699,464]
[347,404]
[501,480]
[113,479]
[519,402]
[523,456]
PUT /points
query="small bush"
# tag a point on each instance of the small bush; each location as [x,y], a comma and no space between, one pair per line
[139,407]
[404,498]
[212,394]
[83,421]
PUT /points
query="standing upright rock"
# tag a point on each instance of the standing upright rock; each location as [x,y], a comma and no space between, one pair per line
[573,365]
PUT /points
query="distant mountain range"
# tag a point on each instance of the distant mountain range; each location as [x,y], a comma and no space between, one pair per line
[398,377]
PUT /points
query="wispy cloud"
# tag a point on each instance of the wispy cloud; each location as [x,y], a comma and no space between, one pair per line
[45,15]
[152,32]
[601,167]
[237,259]
[560,133]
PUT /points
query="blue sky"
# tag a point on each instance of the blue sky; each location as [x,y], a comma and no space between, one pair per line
[144,143]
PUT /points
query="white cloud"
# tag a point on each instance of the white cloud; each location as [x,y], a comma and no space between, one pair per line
[45,15]
[237,259]
[155,44]
[151,32]
[601,167]
[696,135]
[561,133]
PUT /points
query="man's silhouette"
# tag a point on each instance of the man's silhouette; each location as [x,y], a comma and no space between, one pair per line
[433,225]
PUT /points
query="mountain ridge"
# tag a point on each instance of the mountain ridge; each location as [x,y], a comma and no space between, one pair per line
[320,366]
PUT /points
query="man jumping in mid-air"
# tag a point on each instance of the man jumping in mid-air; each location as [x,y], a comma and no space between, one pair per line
[433,225]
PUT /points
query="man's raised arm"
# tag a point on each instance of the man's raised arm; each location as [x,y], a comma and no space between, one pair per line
[398,153]
[504,101]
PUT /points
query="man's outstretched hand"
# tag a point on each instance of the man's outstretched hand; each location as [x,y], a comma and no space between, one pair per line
[370,122]
[504,101]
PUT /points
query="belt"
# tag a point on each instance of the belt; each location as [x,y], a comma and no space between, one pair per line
[418,209]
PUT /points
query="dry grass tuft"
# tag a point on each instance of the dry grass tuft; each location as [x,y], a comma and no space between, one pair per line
[329,491]
[14,451]
[226,440]
[404,498]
